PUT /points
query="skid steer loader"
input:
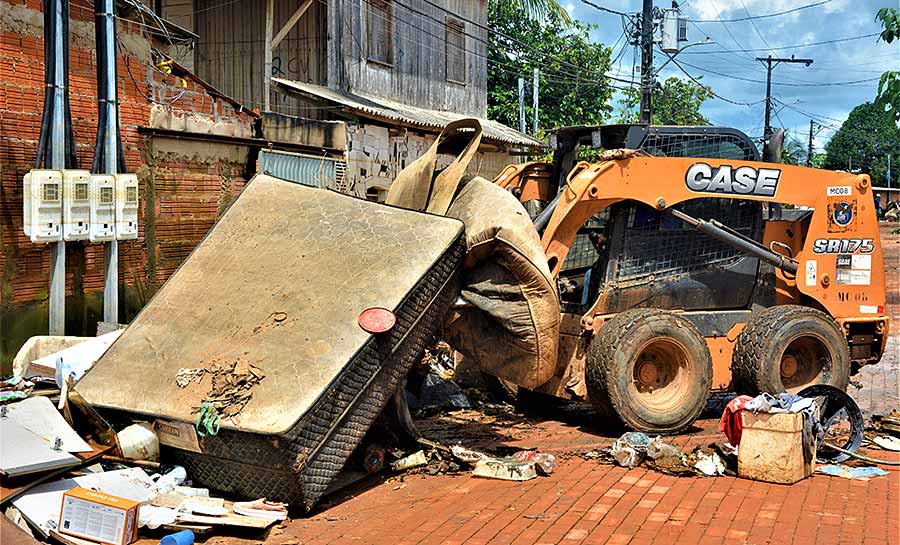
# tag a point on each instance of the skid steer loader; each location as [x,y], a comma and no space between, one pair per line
[687,266]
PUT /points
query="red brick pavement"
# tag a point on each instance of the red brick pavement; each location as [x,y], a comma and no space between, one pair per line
[586,502]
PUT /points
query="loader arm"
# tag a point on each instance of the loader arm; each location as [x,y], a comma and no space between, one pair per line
[839,257]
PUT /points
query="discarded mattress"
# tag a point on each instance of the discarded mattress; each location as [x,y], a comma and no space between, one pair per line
[510,326]
[274,293]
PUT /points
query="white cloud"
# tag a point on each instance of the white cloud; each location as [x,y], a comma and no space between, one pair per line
[570,7]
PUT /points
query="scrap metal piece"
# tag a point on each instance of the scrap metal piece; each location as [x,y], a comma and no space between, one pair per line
[831,402]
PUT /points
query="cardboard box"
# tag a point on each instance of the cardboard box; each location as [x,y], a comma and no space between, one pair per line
[98,517]
[771,448]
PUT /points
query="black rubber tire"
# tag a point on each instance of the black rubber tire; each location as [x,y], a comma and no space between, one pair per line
[756,364]
[633,338]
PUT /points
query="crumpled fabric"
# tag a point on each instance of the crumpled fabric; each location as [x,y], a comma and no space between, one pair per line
[731,423]
[780,403]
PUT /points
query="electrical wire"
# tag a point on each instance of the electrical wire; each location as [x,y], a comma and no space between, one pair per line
[785,84]
[754,17]
[720,97]
[602,8]
[781,48]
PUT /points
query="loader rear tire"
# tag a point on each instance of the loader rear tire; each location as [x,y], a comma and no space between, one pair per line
[651,369]
[787,348]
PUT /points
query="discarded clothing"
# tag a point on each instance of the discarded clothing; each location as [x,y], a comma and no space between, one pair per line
[732,424]
[781,403]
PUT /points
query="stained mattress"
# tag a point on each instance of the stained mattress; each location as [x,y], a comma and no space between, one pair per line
[278,285]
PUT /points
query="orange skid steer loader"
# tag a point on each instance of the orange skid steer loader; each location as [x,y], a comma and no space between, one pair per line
[678,276]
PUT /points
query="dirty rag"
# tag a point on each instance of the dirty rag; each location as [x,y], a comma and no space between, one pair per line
[731,424]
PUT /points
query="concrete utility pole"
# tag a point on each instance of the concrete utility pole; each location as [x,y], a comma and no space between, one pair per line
[647,62]
[534,103]
[772,62]
[522,105]
[809,150]
[57,312]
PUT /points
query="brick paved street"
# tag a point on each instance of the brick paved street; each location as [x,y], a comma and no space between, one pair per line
[587,502]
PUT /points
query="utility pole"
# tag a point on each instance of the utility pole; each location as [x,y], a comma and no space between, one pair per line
[772,62]
[647,62]
[522,105]
[889,171]
[809,150]
[534,103]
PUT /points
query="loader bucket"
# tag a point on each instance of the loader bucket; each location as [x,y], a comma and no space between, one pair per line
[277,289]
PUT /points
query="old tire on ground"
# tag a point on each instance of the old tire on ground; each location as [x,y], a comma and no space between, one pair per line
[650,368]
[787,348]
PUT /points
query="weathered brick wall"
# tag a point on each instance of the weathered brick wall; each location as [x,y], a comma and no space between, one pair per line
[181,189]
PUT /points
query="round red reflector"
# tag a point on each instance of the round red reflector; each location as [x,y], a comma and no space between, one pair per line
[377,320]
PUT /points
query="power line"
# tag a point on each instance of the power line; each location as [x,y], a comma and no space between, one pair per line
[753,17]
[784,84]
[781,48]
[720,97]
[602,8]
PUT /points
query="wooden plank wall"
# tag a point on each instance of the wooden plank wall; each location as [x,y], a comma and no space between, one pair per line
[232,38]
[419,72]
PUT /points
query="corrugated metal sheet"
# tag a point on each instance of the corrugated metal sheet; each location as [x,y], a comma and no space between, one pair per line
[303,169]
[380,108]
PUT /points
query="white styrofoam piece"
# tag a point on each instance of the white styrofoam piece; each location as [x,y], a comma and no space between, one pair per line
[126,206]
[41,504]
[42,205]
[76,204]
[23,452]
[78,358]
[40,416]
[103,208]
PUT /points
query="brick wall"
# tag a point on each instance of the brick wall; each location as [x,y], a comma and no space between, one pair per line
[182,188]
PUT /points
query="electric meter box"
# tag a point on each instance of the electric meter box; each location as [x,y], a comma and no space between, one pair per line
[43,205]
[103,208]
[76,204]
[126,206]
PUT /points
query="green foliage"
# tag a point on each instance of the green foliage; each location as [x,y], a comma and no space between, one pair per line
[793,152]
[818,160]
[572,91]
[675,102]
[537,10]
[865,140]
[889,85]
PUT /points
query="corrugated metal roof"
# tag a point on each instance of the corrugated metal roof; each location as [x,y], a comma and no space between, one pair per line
[382,108]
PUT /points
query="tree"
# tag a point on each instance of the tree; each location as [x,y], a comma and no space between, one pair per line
[818,160]
[675,102]
[536,10]
[793,152]
[572,88]
[864,142]
[889,85]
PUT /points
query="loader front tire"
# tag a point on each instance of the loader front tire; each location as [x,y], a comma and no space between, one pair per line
[651,369]
[787,348]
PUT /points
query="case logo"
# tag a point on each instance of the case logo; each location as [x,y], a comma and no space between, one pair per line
[744,180]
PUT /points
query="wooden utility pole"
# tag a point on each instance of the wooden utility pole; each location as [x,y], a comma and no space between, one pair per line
[772,62]
[647,62]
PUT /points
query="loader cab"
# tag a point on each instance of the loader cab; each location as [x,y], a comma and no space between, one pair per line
[636,256]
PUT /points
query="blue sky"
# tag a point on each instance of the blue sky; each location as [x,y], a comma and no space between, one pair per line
[841,62]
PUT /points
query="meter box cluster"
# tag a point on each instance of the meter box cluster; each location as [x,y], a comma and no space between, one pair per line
[77,205]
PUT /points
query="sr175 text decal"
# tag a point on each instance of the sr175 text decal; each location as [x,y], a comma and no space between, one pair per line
[843,245]
[736,181]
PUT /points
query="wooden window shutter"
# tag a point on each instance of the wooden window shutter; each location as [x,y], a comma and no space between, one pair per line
[456,51]
[380,35]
